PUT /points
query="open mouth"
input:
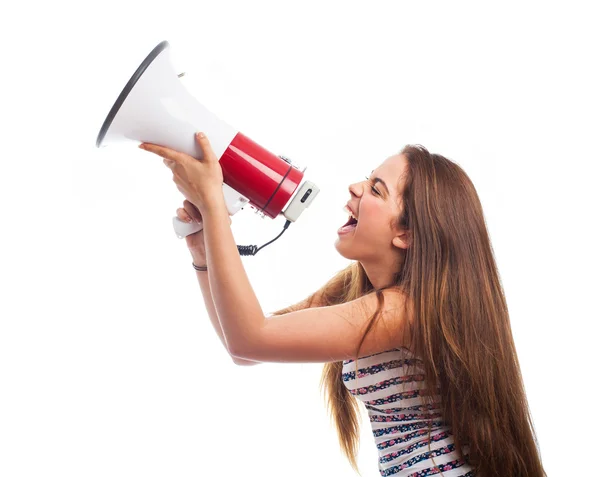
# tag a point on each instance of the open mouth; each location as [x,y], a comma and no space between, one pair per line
[351,221]
[349,225]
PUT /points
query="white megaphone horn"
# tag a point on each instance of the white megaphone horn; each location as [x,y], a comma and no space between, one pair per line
[155,107]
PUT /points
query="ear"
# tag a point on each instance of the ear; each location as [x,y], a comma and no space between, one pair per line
[402,240]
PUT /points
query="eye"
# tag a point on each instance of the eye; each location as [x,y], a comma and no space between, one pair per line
[373,188]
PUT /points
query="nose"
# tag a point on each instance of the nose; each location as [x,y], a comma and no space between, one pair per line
[356,189]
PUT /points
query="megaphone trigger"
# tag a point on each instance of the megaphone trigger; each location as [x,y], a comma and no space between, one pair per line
[183,229]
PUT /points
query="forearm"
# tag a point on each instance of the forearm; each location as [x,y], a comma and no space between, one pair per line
[203,281]
[239,311]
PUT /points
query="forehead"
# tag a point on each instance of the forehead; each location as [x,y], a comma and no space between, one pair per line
[392,171]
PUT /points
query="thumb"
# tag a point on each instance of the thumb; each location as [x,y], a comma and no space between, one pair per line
[207,152]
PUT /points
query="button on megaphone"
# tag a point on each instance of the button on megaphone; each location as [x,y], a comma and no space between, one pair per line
[155,107]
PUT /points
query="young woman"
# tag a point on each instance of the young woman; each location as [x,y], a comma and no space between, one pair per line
[416,328]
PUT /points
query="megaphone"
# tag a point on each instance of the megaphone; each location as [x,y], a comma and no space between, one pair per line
[155,107]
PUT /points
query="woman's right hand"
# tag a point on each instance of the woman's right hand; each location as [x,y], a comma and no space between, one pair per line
[195,241]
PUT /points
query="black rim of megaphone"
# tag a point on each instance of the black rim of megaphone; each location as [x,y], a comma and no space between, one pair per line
[127,89]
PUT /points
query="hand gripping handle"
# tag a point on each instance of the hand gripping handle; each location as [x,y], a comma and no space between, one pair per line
[234,202]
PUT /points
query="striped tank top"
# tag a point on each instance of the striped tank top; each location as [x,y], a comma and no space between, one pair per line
[399,419]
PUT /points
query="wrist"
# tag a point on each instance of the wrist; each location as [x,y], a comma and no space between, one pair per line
[212,203]
[200,268]
[199,257]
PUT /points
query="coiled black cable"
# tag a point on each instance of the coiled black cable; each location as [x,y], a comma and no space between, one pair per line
[253,249]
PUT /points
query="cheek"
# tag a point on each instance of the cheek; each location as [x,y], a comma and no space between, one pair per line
[375,222]
[371,215]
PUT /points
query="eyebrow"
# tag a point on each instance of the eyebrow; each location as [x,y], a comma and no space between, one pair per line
[377,179]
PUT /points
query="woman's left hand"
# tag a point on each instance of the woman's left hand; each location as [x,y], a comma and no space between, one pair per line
[200,181]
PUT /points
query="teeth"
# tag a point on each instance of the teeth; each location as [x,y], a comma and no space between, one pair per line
[349,212]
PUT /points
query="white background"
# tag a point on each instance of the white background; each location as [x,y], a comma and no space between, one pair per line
[108,363]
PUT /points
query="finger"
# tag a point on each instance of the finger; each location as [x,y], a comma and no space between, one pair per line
[183,215]
[164,152]
[189,206]
[207,151]
[192,211]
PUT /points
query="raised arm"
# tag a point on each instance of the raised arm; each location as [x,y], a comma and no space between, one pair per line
[199,259]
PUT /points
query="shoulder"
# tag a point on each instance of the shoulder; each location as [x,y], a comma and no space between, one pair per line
[384,310]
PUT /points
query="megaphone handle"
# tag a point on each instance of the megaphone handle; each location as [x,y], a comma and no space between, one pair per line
[183,229]
[234,202]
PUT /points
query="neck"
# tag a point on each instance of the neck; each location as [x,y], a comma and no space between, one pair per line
[381,273]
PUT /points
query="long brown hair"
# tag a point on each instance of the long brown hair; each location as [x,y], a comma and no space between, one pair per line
[460,325]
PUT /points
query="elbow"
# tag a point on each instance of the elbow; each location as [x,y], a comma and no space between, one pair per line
[238,354]
[241,361]
[244,362]
[244,349]
[244,344]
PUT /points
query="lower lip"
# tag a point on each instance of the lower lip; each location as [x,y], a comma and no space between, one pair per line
[346,229]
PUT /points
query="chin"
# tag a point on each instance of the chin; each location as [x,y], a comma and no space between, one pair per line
[342,250]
